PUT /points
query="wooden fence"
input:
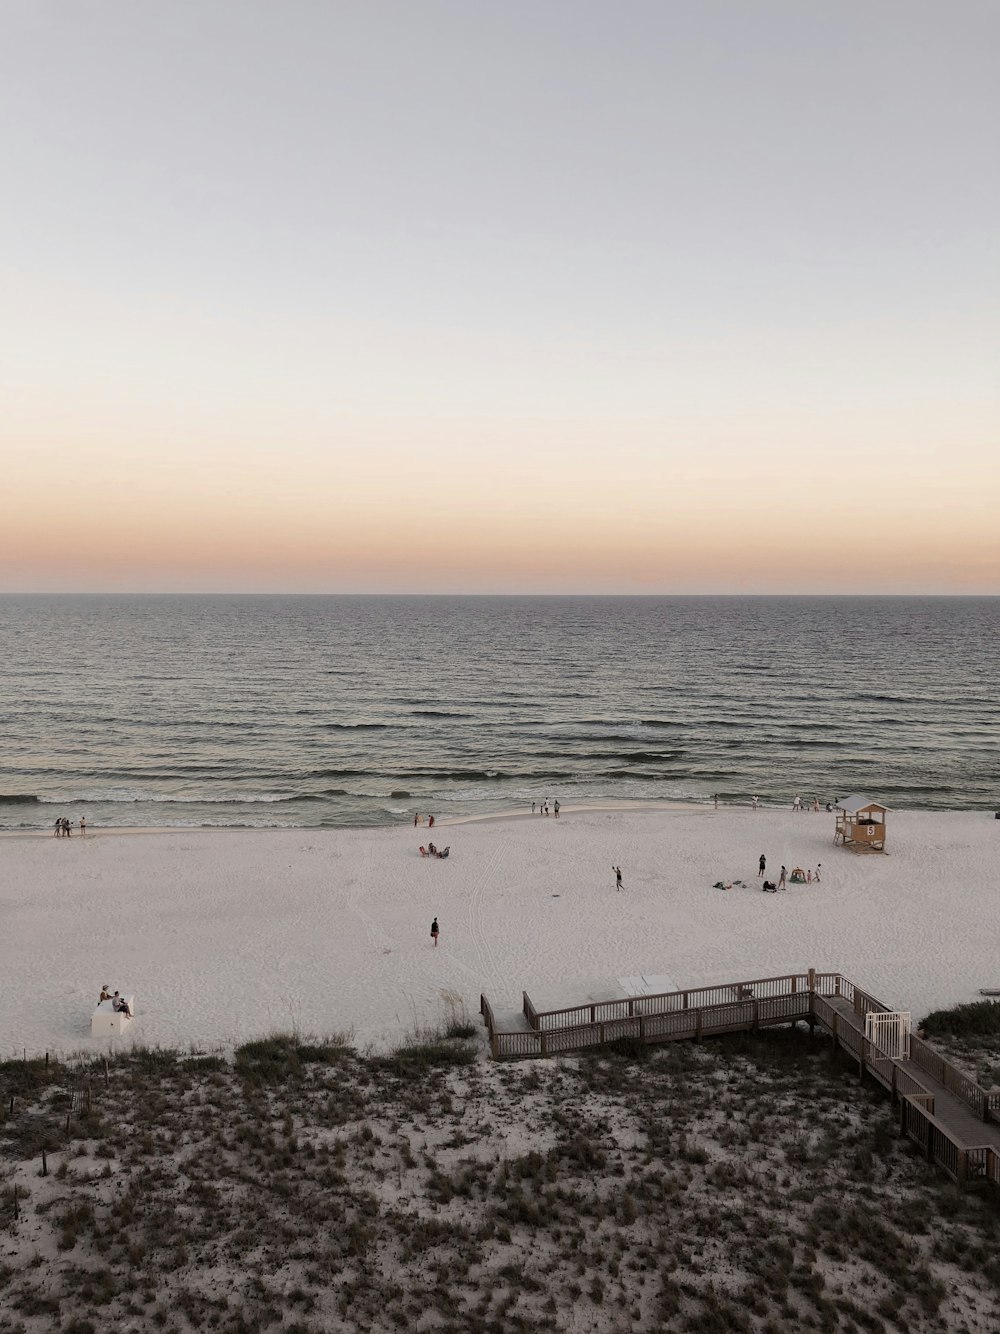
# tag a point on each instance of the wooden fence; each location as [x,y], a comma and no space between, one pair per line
[758,1003]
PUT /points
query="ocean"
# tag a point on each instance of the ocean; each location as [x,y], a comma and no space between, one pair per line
[285,711]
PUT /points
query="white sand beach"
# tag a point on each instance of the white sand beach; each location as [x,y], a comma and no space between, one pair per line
[225,935]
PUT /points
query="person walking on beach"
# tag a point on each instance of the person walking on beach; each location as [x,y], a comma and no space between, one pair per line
[533,805]
[435,931]
[416,819]
[797,803]
[555,809]
[618,877]
[755,803]
[818,868]
[430,822]
[761,865]
[781,880]
[57,830]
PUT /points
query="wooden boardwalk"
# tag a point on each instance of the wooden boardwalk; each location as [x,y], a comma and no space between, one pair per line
[954,1120]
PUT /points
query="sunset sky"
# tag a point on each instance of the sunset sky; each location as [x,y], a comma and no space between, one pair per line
[682,296]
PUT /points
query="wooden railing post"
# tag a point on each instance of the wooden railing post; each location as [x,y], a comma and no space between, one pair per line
[795,984]
[812,979]
[685,1005]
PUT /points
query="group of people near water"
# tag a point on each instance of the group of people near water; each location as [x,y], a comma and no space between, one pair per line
[798,876]
[543,807]
[118,1002]
[64,827]
[797,803]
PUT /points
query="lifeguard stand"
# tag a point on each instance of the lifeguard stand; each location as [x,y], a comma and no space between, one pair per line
[861,824]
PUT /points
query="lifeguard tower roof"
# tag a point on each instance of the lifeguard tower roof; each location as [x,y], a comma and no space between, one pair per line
[856,803]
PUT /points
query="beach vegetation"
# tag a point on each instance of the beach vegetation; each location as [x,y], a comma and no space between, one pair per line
[416,1055]
[283,1056]
[977,1019]
[740,1185]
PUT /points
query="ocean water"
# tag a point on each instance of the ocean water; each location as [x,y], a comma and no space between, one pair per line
[322,711]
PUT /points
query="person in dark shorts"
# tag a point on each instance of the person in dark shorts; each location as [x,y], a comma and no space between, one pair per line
[618,877]
[435,930]
[762,865]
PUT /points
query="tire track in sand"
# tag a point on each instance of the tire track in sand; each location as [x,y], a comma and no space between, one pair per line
[478,934]
[377,937]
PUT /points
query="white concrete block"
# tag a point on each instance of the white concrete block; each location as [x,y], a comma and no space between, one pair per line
[110,1023]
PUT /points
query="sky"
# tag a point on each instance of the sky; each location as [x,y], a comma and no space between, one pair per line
[693,296]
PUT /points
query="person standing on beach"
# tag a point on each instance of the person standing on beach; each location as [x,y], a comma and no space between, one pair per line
[555,809]
[83,826]
[755,803]
[781,880]
[761,865]
[797,803]
[430,822]
[435,930]
[416,819]
[533,805]
[67,830]
[618,877]
[715,798]
[819,866]
[57,830]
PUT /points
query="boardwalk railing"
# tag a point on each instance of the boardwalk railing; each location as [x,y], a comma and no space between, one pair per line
[757,1003]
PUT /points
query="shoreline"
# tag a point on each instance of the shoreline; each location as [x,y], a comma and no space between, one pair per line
[651,806]
[439,823]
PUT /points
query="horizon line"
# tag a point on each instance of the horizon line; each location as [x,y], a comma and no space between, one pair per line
[458,593]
